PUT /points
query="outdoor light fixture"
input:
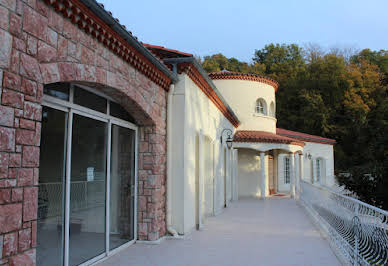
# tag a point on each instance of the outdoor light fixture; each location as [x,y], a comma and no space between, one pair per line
[229,140]
[308,156]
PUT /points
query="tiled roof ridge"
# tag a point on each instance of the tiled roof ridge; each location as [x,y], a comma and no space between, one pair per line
[264,136]
[152,46]
[244,76]
[304,136]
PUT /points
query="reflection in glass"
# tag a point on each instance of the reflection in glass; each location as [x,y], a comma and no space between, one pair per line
[58,90]
[50,225]
[122,184]
[87,189]
[89,100]
[117,111]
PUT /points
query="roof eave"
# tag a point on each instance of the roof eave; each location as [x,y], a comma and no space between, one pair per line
[204,74]
[296,143]
[97,9]
[307,139]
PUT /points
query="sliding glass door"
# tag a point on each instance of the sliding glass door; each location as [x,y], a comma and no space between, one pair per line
[51,202]
[122,186]
[87,184]
[87,189]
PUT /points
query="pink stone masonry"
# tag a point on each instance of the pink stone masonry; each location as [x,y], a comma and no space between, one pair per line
[39,46]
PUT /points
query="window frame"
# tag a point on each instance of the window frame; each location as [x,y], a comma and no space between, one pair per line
[287,173]
[261,107]
[318,169]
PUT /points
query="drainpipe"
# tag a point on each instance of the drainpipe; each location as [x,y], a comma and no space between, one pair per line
[170,229]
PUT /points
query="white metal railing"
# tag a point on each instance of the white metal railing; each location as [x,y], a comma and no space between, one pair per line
[358,230]
[83,195]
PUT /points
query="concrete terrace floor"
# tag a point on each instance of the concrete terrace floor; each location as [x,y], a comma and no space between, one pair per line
[250,232]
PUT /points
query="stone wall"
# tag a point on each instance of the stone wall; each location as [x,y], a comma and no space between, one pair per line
[39,46]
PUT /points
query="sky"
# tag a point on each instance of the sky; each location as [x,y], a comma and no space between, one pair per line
[237,28]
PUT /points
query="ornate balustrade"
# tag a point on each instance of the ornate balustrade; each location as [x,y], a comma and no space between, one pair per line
[358,230]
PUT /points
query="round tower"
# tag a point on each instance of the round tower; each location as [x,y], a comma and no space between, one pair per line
[251,97]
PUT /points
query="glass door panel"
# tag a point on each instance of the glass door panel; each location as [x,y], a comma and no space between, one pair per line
[122,186]
[87,189]
[51,188]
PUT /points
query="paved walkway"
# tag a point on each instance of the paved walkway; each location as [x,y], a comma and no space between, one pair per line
[250,232]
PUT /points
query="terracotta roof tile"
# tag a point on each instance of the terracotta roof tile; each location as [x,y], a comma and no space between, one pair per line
[304,136]
[244,76]
[99,23]
[164,52]
[262,136]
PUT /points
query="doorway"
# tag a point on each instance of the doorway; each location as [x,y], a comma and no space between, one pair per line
[284,173]
[87,184]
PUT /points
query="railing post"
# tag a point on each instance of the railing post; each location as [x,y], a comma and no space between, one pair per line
[356,229]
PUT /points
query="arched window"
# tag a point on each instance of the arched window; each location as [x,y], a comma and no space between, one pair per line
[272,109]
[261,107]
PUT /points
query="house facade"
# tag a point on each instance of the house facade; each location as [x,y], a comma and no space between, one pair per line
[106,141]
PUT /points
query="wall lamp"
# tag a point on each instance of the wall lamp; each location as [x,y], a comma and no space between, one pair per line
[229,139]
[308,155]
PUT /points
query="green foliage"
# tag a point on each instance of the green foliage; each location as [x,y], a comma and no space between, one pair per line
[218,62]
[369,183]
[333,94]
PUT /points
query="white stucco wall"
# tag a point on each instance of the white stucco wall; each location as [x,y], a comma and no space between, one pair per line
[241,95]
[193,113]
[321,151]
[249,173]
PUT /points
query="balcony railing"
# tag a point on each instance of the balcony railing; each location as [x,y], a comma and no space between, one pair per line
[83,195]
[358,230]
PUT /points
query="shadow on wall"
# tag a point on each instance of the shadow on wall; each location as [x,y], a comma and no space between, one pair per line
[192,125]
[249,173]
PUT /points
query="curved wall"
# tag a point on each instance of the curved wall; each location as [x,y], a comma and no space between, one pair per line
[242,95]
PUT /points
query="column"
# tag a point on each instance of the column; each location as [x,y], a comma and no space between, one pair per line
[280,170]
[301,172]
[200,179]
[231,167]
[292,174]
[297,175]
[231,172]
[263,176]
[235,174]
[216,158]
[227,176]
[276,170]
[313,167]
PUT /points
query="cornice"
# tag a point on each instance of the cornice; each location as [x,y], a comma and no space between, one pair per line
[198,79]
[90,23]
[244,76]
